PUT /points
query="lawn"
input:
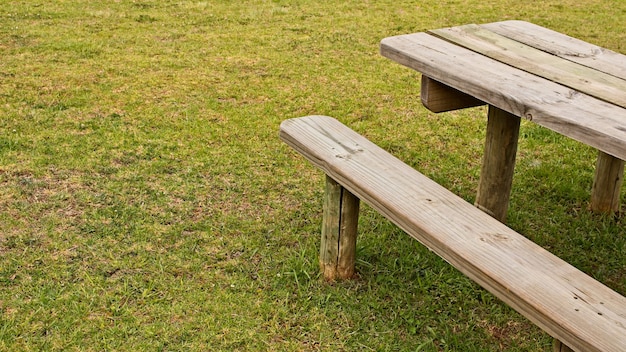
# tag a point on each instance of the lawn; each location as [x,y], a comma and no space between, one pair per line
[147,203]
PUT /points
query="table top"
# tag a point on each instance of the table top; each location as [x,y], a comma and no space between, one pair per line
[567,85]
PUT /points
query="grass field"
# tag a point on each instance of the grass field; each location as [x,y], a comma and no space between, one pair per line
[146,202]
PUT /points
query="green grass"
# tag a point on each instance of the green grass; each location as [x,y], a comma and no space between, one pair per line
[146,202]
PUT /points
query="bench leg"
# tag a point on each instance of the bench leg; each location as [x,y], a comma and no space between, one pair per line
[559,346]
[607,184]
[338,248]
[496,175]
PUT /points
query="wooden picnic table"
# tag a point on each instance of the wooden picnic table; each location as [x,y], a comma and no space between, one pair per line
[523,70]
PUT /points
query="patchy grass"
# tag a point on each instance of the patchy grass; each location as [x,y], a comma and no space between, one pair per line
[146,202]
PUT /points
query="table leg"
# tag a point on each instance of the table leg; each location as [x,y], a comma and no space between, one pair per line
[496,175]
[607,184]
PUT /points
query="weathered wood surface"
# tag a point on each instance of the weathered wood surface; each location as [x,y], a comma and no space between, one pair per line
[496,173]
[438,97]
[579,116]
[339,230]
[565,302]
[561,45]
[538,62]
[607,184]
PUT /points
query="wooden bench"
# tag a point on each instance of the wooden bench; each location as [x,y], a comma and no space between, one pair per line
[578,311]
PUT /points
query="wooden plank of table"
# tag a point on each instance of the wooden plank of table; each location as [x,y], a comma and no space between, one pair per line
[576,115]
[562,45]
[576,76]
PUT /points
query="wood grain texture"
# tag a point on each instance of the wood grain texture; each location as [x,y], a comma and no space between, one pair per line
[579,116]
[339,230]
[438,97]
[562,300]
[329,249]
[607,184]
[563,46]
[496,173]
[538,62]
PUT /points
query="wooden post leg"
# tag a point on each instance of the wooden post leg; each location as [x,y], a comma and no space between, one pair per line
[496,175]
[607,184]
[559,346]
[338,248]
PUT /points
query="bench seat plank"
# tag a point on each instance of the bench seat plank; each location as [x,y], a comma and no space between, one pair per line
[565,302]
[525,57]
[562,45]
[576,115]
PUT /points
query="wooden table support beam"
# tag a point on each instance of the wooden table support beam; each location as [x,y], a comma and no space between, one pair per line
[559,346]
[338,247]
[607,184]
[438,97]
[496,175]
